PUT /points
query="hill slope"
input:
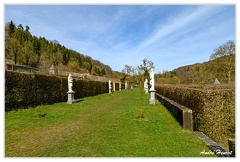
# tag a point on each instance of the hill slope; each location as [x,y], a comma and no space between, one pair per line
[22,48]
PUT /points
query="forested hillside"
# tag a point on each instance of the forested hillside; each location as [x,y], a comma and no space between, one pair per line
[22,48]
[221,66]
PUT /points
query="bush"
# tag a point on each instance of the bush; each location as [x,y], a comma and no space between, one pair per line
[38,112]
[140,113]
[122,86]
[28,90]
[213,108]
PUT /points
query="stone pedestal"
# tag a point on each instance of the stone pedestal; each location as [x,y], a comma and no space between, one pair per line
[71,99]
[146,90]
[113,87]
[152,97]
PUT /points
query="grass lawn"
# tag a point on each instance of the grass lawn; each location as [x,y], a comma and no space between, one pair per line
[100,126]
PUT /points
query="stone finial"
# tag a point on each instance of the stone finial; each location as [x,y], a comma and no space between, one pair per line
[216,81]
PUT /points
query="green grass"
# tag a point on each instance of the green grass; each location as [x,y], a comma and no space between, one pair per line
[101,126]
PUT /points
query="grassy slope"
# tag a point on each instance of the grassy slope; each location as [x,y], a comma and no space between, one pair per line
[100,126]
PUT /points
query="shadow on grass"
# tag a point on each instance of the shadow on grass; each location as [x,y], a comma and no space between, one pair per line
[79,100]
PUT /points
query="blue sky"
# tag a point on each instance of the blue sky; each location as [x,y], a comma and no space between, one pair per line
[118,35]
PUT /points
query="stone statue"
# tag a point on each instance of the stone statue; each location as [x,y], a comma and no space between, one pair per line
[113,89]
[70,83]
[151,78]
[120,86]
[146,85]
[109,86]
[152,91]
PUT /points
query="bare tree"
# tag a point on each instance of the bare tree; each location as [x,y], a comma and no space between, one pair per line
[226,64]
[14,49]
[128,70]
[27,52]
[144,68]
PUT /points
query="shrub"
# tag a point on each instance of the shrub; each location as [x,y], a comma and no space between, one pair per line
[213,107]
[122,86]
[140,113]
[38,112]
[116,86]
[28,90]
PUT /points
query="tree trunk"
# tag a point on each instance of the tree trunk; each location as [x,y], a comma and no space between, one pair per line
[229,77]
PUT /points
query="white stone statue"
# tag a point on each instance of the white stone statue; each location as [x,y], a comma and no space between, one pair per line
[70,83]
[120,86]
[146,85]
[109,84]
[151,72]
[152,91]
[114,86]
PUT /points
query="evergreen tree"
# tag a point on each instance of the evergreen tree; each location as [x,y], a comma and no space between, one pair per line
[11,28]
[103,72]
[24,49]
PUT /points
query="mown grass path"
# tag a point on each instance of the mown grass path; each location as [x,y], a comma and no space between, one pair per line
[100,126]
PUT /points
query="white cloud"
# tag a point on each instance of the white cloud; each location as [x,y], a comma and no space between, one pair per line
[178,23]
[119,35]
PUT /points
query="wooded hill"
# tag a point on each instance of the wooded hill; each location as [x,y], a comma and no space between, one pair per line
[22,48]
[221,66]
[207,72]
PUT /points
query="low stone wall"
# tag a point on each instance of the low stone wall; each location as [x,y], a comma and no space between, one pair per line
[181,113]
[231,145]
[213,108]
[20,68]
[87,76]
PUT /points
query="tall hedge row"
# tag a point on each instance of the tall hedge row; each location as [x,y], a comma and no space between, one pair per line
[122,86]
[213,108]
[26,90]
[116,86]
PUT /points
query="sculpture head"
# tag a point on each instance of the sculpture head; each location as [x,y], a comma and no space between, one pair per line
[151,70]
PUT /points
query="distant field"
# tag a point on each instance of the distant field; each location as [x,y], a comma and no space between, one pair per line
[100,126]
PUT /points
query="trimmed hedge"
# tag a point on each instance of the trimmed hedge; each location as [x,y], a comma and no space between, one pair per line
[122,86]
[213,108]
[116,86]
[27,90]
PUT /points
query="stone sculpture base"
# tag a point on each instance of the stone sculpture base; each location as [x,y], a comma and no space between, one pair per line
[152,97]
[110,91]
[146,91]
[71,99]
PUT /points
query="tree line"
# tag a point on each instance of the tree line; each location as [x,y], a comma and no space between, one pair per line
[137,75]
[221,65]
[22,48]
